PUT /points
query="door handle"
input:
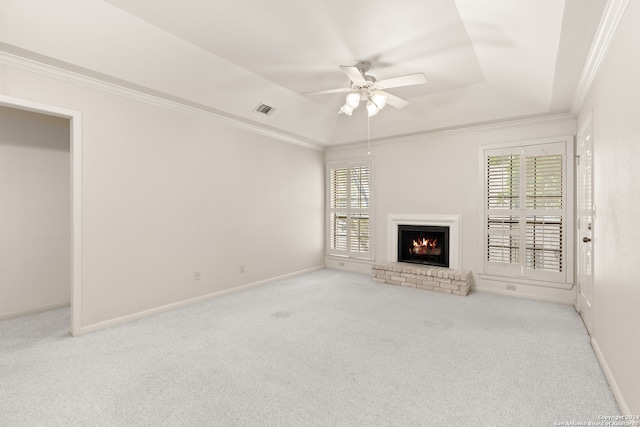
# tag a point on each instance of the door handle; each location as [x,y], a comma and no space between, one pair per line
[586,239]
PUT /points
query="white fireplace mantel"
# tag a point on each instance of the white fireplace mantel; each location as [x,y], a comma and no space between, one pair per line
[454,222]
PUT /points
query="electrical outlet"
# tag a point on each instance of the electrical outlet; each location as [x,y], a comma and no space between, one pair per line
[197,276]
[242,269]
[341,264]
[510,287]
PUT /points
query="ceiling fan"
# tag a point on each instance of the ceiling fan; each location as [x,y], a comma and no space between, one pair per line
[367,88]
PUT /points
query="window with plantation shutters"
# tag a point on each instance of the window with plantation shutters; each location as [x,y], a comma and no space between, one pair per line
[526,211]
[349,209]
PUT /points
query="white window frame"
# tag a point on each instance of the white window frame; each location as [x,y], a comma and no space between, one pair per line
[519,270]
[349,211]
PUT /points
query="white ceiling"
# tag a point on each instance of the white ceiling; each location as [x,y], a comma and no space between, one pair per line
[486,61]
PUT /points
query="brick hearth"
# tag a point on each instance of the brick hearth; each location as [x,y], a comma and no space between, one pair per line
[439,279]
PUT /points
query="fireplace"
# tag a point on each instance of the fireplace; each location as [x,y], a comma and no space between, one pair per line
[423,244]
[452,221]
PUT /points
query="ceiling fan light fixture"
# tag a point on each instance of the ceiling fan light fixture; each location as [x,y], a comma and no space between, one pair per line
[372,108]
[379,98]
[353,100]
[346,109]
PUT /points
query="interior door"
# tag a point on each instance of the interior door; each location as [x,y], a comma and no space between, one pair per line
[585,224]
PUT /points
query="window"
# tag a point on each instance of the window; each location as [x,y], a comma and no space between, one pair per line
[349,209]
[527,209]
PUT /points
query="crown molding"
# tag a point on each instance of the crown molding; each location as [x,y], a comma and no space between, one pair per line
[158,100]
[436,133]
[614,11]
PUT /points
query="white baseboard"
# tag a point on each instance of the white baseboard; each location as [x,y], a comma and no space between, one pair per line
[610,378]
[561,293]
[518,293]
[34,310]
[157,310]
[348,264]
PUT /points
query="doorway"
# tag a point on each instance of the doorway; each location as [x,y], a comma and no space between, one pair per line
[585,224]
[73,237]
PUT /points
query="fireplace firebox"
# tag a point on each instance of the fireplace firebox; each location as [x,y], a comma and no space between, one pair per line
[422,244]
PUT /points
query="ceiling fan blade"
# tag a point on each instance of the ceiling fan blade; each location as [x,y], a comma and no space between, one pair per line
[353,73]
[396,101]
[408,80]
[322,92]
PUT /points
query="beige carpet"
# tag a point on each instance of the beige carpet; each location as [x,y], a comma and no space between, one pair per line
[327,348]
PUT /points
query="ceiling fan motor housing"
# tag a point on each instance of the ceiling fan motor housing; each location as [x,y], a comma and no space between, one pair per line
[363,67]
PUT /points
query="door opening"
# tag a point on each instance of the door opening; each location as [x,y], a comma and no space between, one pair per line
[46,236]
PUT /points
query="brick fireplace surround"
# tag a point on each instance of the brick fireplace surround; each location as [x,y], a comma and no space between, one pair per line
[438,279]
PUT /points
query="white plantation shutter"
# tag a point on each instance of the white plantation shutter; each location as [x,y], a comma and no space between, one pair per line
[339,197]
[503,184]
[526,211]
[503,202]
[502,208]
[503,239]
[544,207]
[349,209]
[359,229]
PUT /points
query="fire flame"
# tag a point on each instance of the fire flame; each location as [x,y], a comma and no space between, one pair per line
[426,243]
[425,246]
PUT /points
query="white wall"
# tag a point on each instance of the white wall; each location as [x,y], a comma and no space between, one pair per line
[615,104]
[440,174]
[35,218]
[168,192]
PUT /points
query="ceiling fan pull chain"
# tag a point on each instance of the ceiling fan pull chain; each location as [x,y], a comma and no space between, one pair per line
[368,135]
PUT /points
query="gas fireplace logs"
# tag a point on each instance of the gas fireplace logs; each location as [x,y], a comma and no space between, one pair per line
[438,279]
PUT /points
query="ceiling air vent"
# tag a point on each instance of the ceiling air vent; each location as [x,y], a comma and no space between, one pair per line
[264,109]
